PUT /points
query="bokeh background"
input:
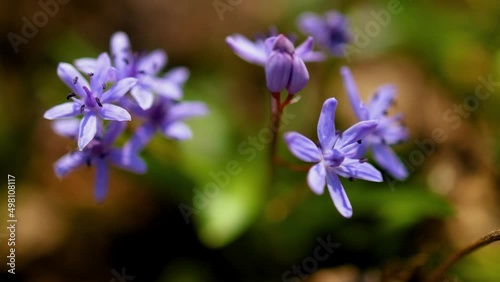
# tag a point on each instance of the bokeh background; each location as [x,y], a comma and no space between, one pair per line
[434,52]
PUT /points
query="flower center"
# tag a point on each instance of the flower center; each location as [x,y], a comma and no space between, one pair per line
[97,148]
[91,101]
[158,112]
[333,157]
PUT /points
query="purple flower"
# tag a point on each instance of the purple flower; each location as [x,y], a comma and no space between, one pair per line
[167,117]
[99,153]
[336,155]
[330,30]
[93,102]
[144,66]
[284,64]
[389,130]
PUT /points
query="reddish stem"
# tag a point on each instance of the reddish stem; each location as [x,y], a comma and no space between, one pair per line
[439,272]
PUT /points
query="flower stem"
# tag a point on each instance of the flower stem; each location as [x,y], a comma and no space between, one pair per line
[438,273]
[275,123]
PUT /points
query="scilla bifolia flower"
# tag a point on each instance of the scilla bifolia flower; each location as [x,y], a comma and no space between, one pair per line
[144,66]
[389,130]
[99,153]
[336,155]
[283,63]
[330,31]
[91,100]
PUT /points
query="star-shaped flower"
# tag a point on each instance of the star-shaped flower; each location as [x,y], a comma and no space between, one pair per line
[91,100]
[143,66]
[330,31]
[98,153]
[389,130]
[167,117]
[336,155]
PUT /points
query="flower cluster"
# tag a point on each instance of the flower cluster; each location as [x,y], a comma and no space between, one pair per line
[109,91]
[338,153]
[105,108]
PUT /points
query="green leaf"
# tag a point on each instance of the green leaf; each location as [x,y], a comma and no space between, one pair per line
[232,210]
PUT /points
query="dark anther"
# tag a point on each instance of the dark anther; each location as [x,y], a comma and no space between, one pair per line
[385,113]
[98,102]
[102,155]
[91,74]
[103,85]
[383,141]
[359,141]
[88,162]
[126,61]
[70,95]
[75,80]
[339,133]
[363,160]
[82,108]
[142,72]
[351,179]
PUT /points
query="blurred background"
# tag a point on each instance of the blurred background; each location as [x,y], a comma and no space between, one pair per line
[437,54]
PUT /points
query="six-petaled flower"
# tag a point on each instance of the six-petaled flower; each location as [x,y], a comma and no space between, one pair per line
[336,155]
[91,100]
[143,66]
[99,153]
[165,115]
[330,31]
[389,130]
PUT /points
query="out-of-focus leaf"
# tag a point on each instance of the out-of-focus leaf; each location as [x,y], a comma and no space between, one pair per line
[236,205]
[401,208]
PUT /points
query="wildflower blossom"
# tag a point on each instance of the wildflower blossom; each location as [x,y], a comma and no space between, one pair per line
[143,66]
[165,115]
[330,31]
[284,64]
[389,130]
[336,155]
[91,100]
[98,153]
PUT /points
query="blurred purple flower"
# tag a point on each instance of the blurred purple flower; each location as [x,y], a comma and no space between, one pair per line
[330,30]
[99,153]
[335,156]
[143,66]
[284,64]
[165,116]
[389,130]
[93,102]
